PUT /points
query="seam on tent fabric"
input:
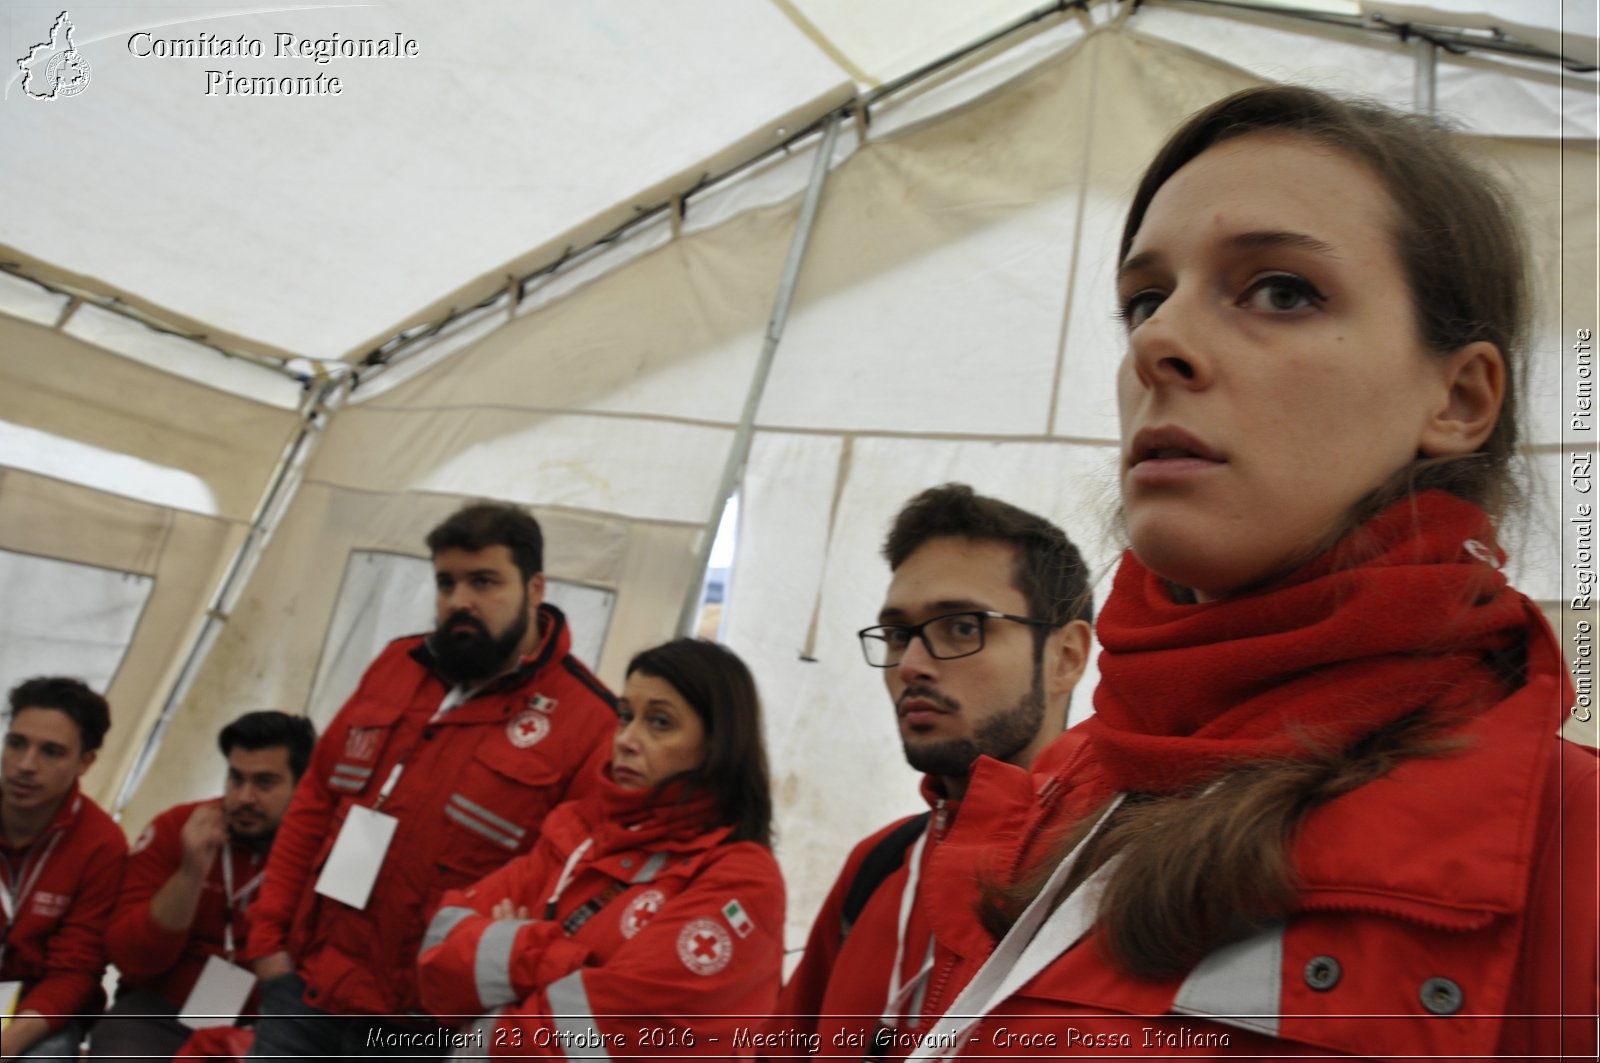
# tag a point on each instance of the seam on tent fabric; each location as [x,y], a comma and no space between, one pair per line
[553,507]
[556,411]
[808,652]
[1077,242]
[219,517]
[825,43]
[1042,66]
[860,433]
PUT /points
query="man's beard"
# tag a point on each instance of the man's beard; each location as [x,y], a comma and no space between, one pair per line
[1002,736]
[476,654]
[260,837]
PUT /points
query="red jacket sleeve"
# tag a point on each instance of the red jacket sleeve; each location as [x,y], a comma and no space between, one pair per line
[300,835]
[690,978]
[75,959]
[142,949]
[448,966]
[800,1003]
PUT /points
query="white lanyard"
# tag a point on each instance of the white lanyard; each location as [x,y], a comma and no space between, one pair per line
[1031,945]
[566,877]
[894,1004]
[13,897]
[234,900]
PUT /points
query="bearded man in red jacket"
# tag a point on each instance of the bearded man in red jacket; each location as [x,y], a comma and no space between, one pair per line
[438,770]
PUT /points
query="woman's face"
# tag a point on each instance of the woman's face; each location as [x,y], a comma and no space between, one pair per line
[1274,375]
[658,735]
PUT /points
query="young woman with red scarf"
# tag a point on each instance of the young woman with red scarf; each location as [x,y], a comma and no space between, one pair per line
[648,920]
[1322,806]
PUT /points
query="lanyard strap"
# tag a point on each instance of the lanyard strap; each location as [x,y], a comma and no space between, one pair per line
[894,1003]
[566,877]
[234,901]
[15,897]
[1031,945]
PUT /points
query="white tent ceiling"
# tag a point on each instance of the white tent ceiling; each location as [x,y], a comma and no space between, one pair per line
[951,319]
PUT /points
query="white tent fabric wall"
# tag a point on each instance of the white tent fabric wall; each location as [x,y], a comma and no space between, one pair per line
[953,321]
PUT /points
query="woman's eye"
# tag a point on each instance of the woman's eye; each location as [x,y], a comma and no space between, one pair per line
[1137,308]
[1282,293]
[658,722]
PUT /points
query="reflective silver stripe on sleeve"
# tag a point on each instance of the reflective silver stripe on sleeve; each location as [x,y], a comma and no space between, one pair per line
[1238,984]
[488,817]
[570,1011]
[444,921]
[652,867]
[481,829]
[349,777]
[491,969]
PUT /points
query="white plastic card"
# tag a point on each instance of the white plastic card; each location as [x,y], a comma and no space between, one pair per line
[218,996]
[357,855]
[10,992]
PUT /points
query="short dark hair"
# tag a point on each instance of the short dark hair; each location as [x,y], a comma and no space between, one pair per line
[64,694]
[1050,572]
[484,524]
[267,729]
[722,692]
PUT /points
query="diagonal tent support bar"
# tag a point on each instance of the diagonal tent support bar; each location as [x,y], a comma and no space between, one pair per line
[319,407]
[739,452]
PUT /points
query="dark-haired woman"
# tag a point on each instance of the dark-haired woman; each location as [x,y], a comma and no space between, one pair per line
[1322,807]
[648,921]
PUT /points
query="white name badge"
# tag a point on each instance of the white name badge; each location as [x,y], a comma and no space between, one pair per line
[357,855]
[10,992]
[219,995]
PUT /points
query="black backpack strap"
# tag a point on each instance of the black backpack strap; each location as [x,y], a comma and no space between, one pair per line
[881,862]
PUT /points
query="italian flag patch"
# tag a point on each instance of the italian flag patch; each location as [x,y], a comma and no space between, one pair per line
[734,912]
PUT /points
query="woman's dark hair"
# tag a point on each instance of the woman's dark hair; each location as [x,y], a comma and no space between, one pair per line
[1456,233]
[721,690]
[1201,869]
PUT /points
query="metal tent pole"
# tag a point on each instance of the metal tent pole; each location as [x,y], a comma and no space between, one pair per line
[739,452]
[286,481]
[1424,89]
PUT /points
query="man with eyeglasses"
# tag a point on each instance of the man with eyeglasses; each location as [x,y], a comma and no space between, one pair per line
[982,636]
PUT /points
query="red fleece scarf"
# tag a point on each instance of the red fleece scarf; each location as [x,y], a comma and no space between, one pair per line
[663,819]
[1398,616]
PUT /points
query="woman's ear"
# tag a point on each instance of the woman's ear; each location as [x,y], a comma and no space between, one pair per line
[1474,378]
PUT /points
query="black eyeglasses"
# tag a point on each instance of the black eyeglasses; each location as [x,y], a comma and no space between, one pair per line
[945,637]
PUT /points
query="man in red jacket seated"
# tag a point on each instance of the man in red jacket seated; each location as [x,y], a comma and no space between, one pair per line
[982,636]
[438,770]
[186,892]
[60,862]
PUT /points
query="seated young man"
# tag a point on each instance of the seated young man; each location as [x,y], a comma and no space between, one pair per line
[60,863]
[186,893]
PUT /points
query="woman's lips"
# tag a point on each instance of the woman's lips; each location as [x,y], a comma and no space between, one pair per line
[1169,454]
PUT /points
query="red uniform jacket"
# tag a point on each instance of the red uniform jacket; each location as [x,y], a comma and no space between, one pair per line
[666,940]
[1447,910]
[475,787]
[833,1000]
[148,955]
[54,948]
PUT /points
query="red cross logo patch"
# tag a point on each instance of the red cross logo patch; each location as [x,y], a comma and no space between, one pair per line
[527,728]
[640,910]
[704,947]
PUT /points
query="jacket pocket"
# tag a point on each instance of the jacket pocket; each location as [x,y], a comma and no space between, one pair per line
[497,806]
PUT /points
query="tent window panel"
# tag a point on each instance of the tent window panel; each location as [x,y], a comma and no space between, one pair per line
[386,596]
[67,618]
